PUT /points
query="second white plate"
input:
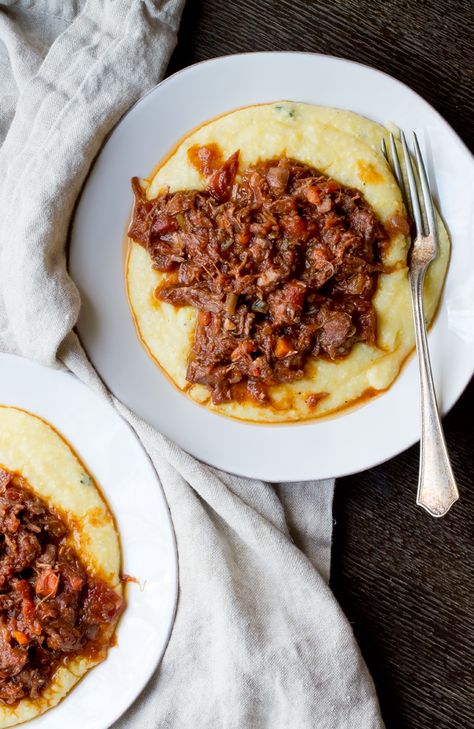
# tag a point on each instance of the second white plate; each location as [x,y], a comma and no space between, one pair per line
[112,453]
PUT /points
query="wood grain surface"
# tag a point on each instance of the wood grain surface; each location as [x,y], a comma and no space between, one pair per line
[405,580]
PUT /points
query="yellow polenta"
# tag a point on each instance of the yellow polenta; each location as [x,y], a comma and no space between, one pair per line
[346,147]
[32,448]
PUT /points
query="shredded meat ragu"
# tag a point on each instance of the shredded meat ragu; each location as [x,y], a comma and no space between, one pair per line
[280,261]
[51,608]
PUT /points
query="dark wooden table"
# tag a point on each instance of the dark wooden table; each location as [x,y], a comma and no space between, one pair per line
[405,580]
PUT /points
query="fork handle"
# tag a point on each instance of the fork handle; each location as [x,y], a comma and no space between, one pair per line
[437,490]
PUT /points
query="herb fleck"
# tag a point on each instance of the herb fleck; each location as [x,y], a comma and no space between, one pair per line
[289,110]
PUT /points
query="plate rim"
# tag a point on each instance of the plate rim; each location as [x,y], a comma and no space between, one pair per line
[338,59]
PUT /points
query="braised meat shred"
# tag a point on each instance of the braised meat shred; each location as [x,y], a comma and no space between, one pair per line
[51,608]
[280,261]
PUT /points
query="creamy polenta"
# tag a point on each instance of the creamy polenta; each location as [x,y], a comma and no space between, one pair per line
[345,147]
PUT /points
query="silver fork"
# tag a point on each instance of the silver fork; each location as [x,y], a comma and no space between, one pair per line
[437,490]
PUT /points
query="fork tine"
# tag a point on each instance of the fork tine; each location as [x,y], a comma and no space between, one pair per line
[396,166]
[425,187]
[415,203]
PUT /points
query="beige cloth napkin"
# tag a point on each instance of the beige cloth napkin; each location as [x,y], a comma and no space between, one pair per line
[259,641]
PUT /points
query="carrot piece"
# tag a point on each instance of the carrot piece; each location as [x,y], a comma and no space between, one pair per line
[20,637]
[282,348]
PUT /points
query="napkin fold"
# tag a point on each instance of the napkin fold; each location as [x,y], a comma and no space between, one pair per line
[259,641]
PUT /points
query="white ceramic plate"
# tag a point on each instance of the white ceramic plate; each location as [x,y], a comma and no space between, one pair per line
[112,453]
[331,447]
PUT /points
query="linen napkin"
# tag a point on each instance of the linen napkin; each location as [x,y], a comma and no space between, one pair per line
[259,640]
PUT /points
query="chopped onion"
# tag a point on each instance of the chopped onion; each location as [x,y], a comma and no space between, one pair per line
[181,220]
[230,303]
